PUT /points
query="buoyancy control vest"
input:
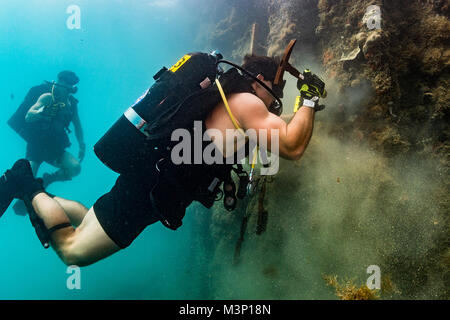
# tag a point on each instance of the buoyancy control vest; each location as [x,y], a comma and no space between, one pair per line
[140,140]
[32,132]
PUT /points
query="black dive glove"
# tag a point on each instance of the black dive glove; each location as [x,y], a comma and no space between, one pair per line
[311,89]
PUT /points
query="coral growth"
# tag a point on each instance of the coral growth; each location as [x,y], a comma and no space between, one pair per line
[349,291]
[410,47]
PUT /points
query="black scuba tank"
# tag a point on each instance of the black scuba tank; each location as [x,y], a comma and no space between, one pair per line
[17,121]
[139,137]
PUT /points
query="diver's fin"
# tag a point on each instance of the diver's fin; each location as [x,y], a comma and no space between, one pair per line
[9,186]
[20,208]
[18,182]
[6,196]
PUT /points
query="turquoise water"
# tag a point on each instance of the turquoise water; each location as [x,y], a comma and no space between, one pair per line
[120,46]
[343,207]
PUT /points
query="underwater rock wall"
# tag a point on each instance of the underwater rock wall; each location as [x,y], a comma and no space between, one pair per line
[372,188]
[229,26]
[406,63]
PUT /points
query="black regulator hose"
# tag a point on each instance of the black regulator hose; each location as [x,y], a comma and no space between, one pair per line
[280,107]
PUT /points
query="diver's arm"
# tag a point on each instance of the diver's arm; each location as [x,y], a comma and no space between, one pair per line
[37,111]
[293,136]
[79,135]
[78,129]
[287,117]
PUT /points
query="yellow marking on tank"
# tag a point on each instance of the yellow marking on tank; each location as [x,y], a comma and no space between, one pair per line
[180,62]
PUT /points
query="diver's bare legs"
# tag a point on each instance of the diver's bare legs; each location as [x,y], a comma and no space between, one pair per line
[69,167]
[75,211]
[80,246]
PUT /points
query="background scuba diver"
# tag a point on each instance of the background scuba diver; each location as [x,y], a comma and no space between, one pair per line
[43,121]
[82,237]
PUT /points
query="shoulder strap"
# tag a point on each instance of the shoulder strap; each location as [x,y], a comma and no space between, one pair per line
[224,99]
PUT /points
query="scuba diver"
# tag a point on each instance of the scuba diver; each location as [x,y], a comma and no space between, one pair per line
[150,187]
[43,120]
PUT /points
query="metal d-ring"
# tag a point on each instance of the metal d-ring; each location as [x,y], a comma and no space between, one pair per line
[156,165]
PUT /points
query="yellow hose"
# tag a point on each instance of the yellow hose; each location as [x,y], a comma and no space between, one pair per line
[224,99]
[225,102]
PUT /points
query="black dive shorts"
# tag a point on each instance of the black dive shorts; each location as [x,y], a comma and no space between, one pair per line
[44,153]
[126,210]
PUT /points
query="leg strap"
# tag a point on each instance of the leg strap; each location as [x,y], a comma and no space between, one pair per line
[58,226]
[41,230]
[38,224]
